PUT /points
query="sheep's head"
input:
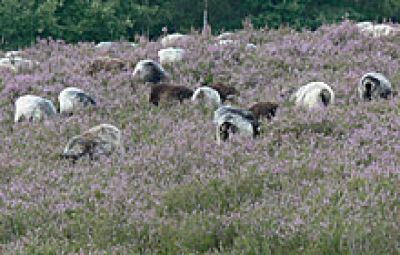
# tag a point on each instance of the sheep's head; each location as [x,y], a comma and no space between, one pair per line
[79,146]
[372,88]
[325,97]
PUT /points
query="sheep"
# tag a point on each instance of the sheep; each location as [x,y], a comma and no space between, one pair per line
[18,63]
[377,30]
[33,108]
[150,71]
[169,92]
[12,53]
[225,92]
[5,63]
[104,45]
[225,36]
[171,55]
[230,119]
[173,39]
[251,46]
[313,94]
[207,94]
[103,139]
[107,64]
[374,85]
[72,98]
[264,109]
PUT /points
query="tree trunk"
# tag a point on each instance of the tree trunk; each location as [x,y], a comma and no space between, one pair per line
[205,15]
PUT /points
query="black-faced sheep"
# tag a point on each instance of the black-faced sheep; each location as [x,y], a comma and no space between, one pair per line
[33,108]
[103,139]
[207,95]
[314,94]
[163,92]
[150,71]
[230,119]
[373,86]
[171,55]
[71,99]
[264,109]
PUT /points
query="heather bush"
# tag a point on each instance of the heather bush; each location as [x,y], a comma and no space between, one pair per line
[320,181]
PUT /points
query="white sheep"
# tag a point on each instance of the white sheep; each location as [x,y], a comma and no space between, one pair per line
[33,107]
[374,85]
[103,45]
[171,55]
[12,53]
[5,63]
[230,119]
[150,71]
[226,35]
[314,94]
[173,39]
[377,30]
[71,99]
[207,94]
[103,139]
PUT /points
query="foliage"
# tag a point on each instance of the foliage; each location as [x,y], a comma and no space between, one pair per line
[109,20]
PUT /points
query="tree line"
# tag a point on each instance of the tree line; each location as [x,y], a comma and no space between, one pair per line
[23,21]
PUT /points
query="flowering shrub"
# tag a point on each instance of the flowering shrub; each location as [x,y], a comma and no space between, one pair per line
[324,181]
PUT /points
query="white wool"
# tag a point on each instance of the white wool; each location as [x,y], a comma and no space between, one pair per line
[104,45]
[171,55]
[224,36]
[33,107]
[72,98]
[173,39]
[308,96]
[18,63]
[227,42]
[242,119]
[207,94]
[383,85]
[377,30]
[251,46]
[149,70]
[12,53]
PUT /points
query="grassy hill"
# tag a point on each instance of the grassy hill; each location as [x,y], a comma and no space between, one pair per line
[318,182]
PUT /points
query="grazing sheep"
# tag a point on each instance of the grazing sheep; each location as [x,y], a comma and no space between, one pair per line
[207,94]
[227,42]
[103,139]
[71,99]
[231,120]
[150,71]
[251,46]
[12,53]
[225,92]
[173,39]
[313,94]
[18,63]
[171,55]
[107,64]
[373,86]
[264,109]
[33,108]
[377,30]
[5,63]
[104,45]
[225,36]
[169,92]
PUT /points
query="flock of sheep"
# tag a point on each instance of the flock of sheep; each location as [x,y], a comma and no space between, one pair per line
[105,138]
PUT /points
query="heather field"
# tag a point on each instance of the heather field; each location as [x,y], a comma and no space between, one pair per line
[324,181]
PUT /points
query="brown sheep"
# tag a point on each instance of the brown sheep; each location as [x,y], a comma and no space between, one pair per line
[107,64]
[225,92]
[264,109]
[169,92]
